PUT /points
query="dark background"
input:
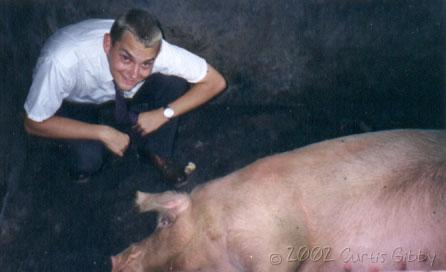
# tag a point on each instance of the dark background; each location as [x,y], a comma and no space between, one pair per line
[298,72]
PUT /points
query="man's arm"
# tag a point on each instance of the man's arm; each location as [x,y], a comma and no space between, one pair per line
[57,127]
[201,92]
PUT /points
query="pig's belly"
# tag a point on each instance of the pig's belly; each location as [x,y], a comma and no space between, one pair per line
[396,258]
[400,239]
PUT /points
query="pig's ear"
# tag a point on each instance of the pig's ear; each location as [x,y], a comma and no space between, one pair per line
[169,205]
[168,202]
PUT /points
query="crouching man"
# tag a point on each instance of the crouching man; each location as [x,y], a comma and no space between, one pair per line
[124,65]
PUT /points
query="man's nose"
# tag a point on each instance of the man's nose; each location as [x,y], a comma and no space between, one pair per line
[135,71]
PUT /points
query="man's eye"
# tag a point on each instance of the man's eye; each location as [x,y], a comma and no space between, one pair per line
[125,58]
[147,65]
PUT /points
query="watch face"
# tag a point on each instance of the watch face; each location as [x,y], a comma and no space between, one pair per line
[168,112]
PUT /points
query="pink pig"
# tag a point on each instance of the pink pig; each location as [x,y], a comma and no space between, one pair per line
[368,202]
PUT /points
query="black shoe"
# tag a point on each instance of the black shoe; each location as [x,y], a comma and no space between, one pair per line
[170,171]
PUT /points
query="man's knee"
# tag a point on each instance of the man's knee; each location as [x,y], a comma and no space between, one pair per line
[162,89]
[178,85]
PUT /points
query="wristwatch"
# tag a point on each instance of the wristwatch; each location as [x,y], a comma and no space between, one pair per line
[168,112]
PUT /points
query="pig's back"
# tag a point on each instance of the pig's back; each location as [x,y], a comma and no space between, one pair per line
[343,167]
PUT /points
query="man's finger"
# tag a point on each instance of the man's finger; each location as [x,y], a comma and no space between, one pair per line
[144,132]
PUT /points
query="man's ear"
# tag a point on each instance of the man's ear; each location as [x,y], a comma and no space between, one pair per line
[107,43]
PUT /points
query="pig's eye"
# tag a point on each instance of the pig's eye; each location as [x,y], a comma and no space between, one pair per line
[165,221]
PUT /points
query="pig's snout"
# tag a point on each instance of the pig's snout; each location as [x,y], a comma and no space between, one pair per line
[128,261]
[149,255]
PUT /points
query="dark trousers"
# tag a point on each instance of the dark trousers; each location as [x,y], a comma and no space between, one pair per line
[85,157]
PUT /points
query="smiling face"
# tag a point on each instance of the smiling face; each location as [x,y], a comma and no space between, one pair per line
[129,60]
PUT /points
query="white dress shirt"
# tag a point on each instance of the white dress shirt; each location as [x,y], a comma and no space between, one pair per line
[73,66]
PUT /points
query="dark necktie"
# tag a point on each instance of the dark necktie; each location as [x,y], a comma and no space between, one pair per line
[122,115]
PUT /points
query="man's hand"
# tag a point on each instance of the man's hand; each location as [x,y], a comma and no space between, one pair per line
[116,141]
[150,121]
[58,127]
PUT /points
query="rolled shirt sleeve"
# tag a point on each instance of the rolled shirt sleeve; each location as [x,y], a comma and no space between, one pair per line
[51,84]
[174,60]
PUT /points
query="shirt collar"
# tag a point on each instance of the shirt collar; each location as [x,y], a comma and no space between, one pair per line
[104,71]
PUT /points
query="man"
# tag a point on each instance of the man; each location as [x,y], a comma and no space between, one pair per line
[82,68]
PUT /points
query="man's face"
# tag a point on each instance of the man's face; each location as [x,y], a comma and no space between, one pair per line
[130,62]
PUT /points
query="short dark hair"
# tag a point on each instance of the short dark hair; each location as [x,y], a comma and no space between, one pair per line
[144,26]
